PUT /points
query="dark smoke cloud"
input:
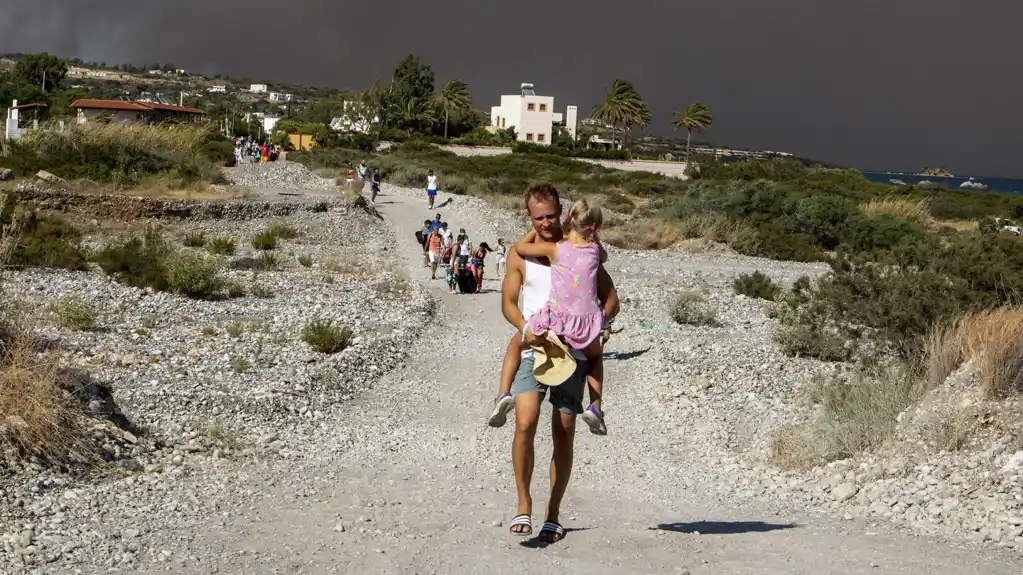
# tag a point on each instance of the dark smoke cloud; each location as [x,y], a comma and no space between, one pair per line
[878,84]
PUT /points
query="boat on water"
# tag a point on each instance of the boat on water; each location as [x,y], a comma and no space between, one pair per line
[896,182]
[973,185]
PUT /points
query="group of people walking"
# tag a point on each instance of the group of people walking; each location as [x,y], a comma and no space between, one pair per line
[463,260]
[248,150]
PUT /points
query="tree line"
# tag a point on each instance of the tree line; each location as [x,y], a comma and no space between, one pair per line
[411,104]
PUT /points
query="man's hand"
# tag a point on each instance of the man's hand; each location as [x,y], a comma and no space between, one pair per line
[532,339]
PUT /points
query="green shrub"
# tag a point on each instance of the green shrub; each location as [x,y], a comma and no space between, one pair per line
[305,260]
[756,285]
[136,261]
[690,308]
[282,230]
[221,246]
[235,290]
[324,336]
[74,314]
[265,240]
[194,273]
[195,240]
[43,241]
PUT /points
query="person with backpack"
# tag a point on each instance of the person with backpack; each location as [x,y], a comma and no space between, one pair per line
[421,236]
[374,186]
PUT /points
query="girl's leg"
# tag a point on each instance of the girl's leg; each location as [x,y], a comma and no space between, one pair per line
[594,415]
[505,402]
[595,374]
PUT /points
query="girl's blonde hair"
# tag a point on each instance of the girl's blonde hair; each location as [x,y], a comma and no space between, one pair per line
[585,219]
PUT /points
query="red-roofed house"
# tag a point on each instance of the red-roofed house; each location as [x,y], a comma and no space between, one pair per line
[135,112]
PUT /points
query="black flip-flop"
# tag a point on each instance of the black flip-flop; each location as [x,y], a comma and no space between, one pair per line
[555,529]
[523,519]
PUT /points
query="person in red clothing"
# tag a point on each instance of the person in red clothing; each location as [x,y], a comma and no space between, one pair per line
[435,243]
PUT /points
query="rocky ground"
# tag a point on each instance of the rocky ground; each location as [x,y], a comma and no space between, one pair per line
[378,459]
[730,388]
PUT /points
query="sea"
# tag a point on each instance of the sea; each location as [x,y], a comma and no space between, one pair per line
[1004,185]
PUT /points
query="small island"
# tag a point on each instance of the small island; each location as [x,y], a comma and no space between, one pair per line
[936,172]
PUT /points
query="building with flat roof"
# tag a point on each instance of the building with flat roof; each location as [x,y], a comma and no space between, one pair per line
[532,116]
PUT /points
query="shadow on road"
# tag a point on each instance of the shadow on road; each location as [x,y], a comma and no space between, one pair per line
[624,355]
[536,543]
[723,527]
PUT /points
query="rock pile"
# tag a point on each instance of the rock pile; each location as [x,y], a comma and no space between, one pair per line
[281,174]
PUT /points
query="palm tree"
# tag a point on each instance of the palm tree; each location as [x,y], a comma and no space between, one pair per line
[622,105]
[454,97]
[696,117]
[413,114]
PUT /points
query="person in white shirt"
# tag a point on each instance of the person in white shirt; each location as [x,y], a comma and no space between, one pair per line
[431,188]
[446,234]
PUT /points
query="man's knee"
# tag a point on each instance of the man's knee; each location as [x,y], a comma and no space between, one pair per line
[563,427]
[527,414]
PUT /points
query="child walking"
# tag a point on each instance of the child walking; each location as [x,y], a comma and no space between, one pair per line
[502,258]
[573,312]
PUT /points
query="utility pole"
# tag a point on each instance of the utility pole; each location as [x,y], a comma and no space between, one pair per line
[44,81]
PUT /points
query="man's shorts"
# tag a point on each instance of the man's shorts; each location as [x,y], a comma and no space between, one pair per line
[431,192]
[434,257]
[566,398]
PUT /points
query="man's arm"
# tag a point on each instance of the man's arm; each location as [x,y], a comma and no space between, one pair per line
[510,288]
[607,294]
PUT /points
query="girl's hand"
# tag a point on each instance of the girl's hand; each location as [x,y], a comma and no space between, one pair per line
[532,339]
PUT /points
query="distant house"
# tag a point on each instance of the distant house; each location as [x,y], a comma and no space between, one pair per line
[279,97]
[12,126]
[220,89]
[258,88]
[121,111]
[532,116]
[356,117]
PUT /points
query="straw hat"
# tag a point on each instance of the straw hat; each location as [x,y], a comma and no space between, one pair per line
[553,363]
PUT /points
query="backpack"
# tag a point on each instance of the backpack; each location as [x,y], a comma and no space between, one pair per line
[419,237]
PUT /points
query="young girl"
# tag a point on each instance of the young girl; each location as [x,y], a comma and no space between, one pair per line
[502,258]
[573,312]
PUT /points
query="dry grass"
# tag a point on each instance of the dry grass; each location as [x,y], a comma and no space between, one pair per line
[505,202]
[993,339]
[644,234]
[174,140]
[351,266]
[852,417]
[958,225]
[914,210]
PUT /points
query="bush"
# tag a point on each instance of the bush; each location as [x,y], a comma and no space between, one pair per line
[854,417]
[150,262]
[305,260]
[194,273]
[74,314]
[324,336]
[690,309]
[42,241]
[137,261]
[195,240]
[265,240]
[283,230]
[117,153]
[221,246]
[758,285]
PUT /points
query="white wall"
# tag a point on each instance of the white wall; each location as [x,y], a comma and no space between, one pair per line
[119,117]
[530,125]
[571,120]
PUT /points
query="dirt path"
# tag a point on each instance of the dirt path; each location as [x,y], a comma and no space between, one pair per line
[414,482]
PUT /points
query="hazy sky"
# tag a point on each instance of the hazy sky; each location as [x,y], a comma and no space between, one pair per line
[877,84]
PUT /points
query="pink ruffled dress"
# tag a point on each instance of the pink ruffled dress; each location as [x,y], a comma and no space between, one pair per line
[573,311]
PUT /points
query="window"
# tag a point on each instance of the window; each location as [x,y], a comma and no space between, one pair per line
[530,106]
[541,137]
[543,107]
[529,137]
[503,123]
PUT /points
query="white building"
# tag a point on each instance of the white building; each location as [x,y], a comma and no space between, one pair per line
[258,88]
[279,97]
[357,117]
[532,116]
[220,89]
